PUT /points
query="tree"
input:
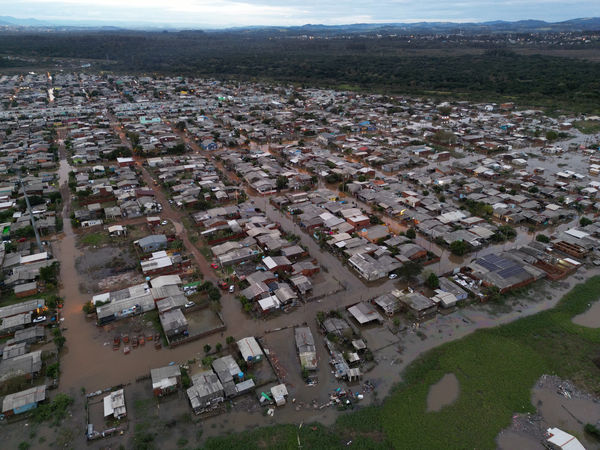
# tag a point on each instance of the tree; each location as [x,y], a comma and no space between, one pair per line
[282,182]
[207,348]
[542,238]
[411,233]
[584,221]
[433,281]
[410,270]
[458,248]
[219,347]
[229,340]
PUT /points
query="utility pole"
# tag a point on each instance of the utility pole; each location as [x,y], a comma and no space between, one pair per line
[33,225]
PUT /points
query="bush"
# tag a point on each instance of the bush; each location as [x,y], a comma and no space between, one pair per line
[458,248]
[433,281]
[592,429]
[542,238]
[411,233]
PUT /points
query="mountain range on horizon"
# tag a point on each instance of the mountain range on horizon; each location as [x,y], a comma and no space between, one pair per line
[498,26]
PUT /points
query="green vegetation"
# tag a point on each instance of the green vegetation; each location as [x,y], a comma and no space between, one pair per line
[432,281]
[542,238]
[496,368]
[410,270]
[587,126]
[585,221]
[94,239]
[458,248]
[593,430]
[55,410]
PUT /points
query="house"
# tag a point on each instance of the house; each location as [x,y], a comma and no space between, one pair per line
[126,162]
[165,380]
[153,243]
[364,313]
[174,323]
[388,302]
[560,440]
[114,405]
[277,264]
[279,393]
[250,350]
[305,344]
[117,230]
[23,401]
[26,289]
[206,392]
[418,305]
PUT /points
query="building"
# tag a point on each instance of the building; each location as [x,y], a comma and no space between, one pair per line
[206,392]
[174,323]
[559,440]
[165,380]
[418,305]
[23,401]
[307,351]
[153,243]
[114,405]
[365,313]
[250,350]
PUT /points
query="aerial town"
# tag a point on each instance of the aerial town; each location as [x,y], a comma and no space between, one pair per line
[201,257]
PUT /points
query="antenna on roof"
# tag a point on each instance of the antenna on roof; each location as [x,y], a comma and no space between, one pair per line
[33,225]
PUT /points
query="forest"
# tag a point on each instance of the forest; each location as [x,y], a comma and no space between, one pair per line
[487,71]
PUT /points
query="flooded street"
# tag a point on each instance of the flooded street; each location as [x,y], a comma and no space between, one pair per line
[443,393]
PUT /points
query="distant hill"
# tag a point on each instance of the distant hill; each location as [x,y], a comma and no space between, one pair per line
[498,26]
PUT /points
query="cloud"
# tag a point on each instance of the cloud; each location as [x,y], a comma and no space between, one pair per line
[218,13]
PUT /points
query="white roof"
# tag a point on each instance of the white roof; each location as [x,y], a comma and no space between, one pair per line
[269,303]
[576,233]
[34,258]
[563,440]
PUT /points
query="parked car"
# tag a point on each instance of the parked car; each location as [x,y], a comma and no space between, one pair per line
[39,319]
[164,222]
[393,276]
[232,288]
[223,285]
[189,304]
[214,265]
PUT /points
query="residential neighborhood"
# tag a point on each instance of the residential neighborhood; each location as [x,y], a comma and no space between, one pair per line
[200,249]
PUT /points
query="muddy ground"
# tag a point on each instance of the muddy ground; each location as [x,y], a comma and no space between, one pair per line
[106,267]
[559,404]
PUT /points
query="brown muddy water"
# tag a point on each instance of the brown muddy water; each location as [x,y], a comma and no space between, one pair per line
[590,318]
[443,393]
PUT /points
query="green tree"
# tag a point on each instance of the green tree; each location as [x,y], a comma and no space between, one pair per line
[585,221]
[542,238]
[282,182]
[458,248]
[433,281]
[207,348]
[411,233]
[410,270]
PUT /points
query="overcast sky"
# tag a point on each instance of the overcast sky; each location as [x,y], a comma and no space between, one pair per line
[220,13]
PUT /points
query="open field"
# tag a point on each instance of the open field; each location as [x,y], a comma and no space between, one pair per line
[496,369]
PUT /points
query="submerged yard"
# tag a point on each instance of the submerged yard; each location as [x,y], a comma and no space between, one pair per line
[496,369]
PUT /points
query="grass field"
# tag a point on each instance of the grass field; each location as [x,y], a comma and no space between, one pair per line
[587,126]
[93,239]
[496,368]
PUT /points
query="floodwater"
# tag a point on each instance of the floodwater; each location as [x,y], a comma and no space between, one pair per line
[568,414]
[590,318]
[511,440]
[443,393]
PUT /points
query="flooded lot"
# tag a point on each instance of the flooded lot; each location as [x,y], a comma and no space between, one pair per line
[590,318]
[443,393]
[560,405]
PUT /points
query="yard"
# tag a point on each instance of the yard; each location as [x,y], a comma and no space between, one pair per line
[496,369]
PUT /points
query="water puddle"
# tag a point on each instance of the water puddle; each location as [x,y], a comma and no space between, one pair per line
[590,318]
[443,393]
